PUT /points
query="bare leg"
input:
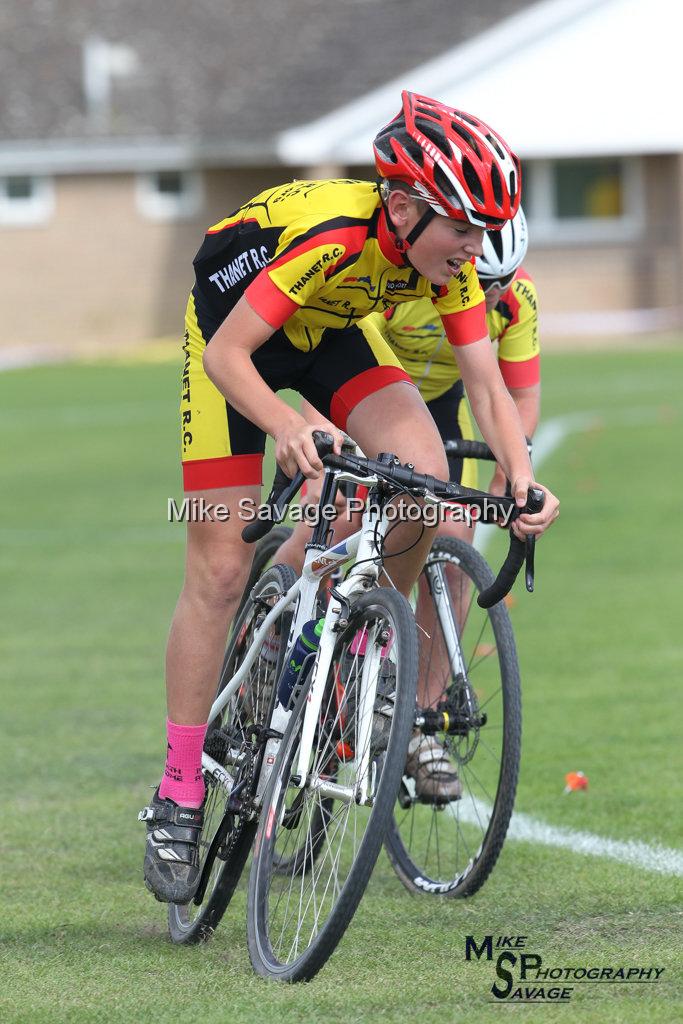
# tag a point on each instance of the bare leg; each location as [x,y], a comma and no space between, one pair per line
[217,566]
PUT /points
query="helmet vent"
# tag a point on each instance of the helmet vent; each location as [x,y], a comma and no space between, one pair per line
[472,180]
[467,136]
[513,185]
[444,185]
[421,109]
[497,183]
[433,132]
[496,239]
[493,142]
[413,150]
[383,144]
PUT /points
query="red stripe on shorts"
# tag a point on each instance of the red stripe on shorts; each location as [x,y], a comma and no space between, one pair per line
[345,400]
[227,471]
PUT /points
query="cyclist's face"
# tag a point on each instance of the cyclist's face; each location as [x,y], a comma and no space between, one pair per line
[443,247]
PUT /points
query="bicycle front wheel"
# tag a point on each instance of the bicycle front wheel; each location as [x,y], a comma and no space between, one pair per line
[316,845]
[448,845]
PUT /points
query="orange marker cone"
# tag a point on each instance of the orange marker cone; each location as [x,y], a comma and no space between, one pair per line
[574,781]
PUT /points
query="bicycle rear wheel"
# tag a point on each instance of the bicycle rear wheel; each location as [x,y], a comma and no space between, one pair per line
[234,740]
[295,919]
[451,848]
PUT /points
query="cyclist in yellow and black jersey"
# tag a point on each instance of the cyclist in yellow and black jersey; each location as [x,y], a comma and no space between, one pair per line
[311,278]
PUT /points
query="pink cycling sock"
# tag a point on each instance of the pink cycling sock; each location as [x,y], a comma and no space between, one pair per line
[360,642]
[182,779]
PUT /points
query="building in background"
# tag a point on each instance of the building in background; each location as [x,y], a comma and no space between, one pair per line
[584,92]
[127,128]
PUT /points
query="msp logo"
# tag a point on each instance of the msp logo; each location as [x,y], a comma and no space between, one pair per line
[524,977]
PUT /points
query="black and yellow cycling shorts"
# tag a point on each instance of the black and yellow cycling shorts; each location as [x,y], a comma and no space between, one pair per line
[451,415]
[221,448]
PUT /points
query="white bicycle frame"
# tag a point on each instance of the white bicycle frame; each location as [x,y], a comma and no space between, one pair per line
[364,547]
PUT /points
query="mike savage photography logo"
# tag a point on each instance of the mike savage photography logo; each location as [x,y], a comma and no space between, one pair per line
[525,976]
[199,510]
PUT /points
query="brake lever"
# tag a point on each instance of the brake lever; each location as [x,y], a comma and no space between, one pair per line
[530,550]
[535,501]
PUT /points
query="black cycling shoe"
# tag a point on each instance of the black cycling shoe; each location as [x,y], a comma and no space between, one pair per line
[171,868]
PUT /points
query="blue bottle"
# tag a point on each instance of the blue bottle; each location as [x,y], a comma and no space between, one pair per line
[306,644]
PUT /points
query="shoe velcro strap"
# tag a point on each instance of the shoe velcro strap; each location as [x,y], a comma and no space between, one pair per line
[162,834]
[435,759]
[191,817]
[177,853]
[425,750]
[168,812]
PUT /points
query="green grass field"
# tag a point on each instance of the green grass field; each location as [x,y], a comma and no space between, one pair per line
[91,571]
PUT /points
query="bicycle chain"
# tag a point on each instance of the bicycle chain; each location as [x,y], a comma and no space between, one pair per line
[235,833]
[245,784]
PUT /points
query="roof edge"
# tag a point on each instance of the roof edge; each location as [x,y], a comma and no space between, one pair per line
[78,156]
[331,137]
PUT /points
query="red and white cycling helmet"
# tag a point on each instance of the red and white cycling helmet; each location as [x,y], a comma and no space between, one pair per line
[452,160]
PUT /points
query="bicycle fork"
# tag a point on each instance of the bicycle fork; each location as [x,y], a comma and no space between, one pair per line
[438,585]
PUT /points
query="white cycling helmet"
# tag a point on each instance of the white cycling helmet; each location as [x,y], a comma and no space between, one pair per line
[504,250]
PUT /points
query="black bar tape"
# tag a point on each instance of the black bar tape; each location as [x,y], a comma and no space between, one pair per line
[465,449]
[507,575]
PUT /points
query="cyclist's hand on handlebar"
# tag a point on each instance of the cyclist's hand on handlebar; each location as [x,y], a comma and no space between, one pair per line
[535,524]
[294,447]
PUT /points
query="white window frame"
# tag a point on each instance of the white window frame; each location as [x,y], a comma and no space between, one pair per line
[31,211]
[545,227]
[161,206]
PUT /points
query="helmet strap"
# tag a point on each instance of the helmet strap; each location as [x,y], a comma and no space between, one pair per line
[403,244]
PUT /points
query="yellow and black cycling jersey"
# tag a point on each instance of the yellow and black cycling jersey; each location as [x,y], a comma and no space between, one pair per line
[417,337]
[314,255]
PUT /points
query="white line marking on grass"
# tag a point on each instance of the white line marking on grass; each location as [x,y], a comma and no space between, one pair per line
[551,434]
[654,857]
[527,829]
